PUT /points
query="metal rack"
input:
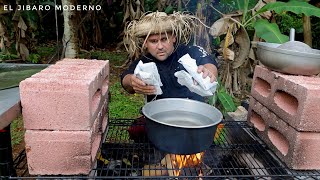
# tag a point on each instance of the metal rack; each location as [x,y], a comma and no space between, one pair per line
[236,153]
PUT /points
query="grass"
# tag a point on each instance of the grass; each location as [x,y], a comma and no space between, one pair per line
[17,131]
[12,78]
[122,105]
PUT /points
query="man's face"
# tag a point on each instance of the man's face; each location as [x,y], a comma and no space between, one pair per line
[160,46]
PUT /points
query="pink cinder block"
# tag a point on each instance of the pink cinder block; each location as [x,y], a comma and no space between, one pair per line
[101,82]
[293,98]
[83,63]
[254,119]
[105,115]
[77,64]
[99,67]
[296,101]
[298,150]
[262,84]
[62,152]
[81,74]
[59,104]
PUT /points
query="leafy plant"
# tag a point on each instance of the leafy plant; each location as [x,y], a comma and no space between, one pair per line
[290,20]
[226,100]
[235,46]
[223,99]
[256,19]
[294,6]
[8,56]
[33,58]
[45,50]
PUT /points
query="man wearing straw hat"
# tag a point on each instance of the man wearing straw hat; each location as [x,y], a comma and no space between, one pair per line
[162,39]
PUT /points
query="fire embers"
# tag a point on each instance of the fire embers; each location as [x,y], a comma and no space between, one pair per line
[178,165]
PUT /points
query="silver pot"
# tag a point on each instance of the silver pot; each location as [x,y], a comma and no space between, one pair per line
[181,126]
[288,61]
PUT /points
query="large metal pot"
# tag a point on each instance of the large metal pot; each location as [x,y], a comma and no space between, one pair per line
[287,60]
[181,126]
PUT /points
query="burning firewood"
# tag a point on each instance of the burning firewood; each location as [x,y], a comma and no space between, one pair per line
[166,161]
[154,170]
[175,163]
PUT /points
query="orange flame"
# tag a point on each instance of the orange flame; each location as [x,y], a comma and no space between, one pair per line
[181,161]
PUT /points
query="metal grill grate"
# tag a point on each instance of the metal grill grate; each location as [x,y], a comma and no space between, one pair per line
[236,154]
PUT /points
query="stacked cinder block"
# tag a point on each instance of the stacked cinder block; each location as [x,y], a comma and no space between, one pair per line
[284,110]
[64,109]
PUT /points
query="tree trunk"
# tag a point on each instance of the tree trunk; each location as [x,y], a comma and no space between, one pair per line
[307,34]
[201,36]
[70,38]
[179,5]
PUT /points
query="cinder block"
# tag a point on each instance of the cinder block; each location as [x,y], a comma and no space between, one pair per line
[76,64]
[254,119]
[58,104]
[99,81]
[83,63]
[296,101]
[105,115]
[262,84]
[293,98]
[297,149]
[81,68]
[65,98]
[62,152]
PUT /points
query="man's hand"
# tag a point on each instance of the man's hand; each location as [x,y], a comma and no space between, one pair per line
[208,71]
[140,87]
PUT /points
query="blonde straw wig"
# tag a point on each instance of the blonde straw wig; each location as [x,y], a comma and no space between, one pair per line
[181,25]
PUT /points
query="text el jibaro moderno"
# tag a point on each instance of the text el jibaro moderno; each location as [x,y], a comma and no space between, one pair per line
[56,7]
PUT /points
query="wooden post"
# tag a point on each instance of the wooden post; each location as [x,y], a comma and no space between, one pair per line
[307,33]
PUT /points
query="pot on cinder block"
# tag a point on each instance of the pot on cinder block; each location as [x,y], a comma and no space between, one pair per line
[292,57]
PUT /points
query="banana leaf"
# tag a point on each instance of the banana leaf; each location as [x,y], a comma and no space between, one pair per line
[297,7]
[270,32]
[31,19]
[226,101]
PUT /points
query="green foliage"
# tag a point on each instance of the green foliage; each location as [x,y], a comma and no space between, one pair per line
[169,10]
[33,58]
[31,19]
[288,20]
[297,7]
[222,99]
[46,2]
[117,58]
[225,100]
[275,36]
[45,50]
[150,5]
[234,5]
[8,56]
[269,31]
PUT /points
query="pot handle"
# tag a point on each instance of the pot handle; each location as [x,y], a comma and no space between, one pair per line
[146,99]
[292,34]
